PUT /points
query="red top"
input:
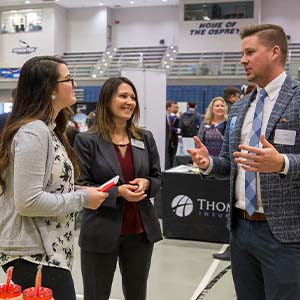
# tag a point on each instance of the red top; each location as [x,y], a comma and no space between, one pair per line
[131,222]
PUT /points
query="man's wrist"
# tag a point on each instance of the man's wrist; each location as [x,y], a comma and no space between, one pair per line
[282,166]
[208,169]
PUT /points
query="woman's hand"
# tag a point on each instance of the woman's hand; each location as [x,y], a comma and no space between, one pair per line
[132,193]
[143,184]
[95,198]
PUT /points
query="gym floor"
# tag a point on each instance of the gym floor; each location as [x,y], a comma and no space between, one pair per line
[180,270]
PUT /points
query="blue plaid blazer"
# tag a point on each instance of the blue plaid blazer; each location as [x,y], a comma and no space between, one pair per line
[280,193]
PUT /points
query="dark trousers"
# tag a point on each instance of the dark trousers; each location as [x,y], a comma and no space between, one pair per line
[57,279]
[262,267]
[134,253]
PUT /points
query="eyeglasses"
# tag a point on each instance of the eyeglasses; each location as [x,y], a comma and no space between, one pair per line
[67,80]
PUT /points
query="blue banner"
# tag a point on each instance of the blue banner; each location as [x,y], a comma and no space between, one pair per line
[9,73]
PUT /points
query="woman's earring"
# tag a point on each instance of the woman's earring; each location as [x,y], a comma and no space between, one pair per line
[53,97]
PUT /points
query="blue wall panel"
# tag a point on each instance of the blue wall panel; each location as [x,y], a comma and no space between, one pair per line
[91,93]
[202,95]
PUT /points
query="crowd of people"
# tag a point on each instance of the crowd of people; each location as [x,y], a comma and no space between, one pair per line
[44,181]
[210,127]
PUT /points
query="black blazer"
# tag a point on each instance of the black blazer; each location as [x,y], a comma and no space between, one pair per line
[100,229]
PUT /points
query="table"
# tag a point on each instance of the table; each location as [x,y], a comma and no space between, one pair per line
[182,160]
[193,207]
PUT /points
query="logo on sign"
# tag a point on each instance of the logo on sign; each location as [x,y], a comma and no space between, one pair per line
[24,49]
[182,206]
[210,208]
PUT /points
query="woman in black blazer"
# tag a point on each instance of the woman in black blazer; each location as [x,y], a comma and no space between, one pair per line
[125,227]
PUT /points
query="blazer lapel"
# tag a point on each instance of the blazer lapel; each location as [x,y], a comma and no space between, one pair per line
[137,154]
[285,95]
[109,154]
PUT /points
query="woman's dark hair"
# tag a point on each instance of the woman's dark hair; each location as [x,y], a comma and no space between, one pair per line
[104,122]
[37,82]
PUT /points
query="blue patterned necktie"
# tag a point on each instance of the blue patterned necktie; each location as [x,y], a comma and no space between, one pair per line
[250,177]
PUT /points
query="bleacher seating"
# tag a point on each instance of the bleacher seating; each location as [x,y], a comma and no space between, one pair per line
[185,65]
[81,64]
[178,65]
[207,64]
[293,59]
[143,57]
[223,63]
[82,58]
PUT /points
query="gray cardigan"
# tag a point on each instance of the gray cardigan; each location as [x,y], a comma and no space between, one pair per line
[27,200]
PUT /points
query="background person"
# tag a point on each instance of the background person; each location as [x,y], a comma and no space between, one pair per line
[126,226]
[264,210]
[80,118]
[37,165]
[90,119]
[190,121]
[171,132]
[174,120]
[231,96]
[250,88]
[212,128]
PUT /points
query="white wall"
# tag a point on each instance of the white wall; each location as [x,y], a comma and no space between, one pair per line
[145,26]
[43,40]
[284,13]
[109,20]
[86,29]
[60,30]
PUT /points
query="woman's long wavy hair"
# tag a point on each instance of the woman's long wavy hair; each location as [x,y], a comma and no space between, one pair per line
[209,115]
[37,82]
[104,123]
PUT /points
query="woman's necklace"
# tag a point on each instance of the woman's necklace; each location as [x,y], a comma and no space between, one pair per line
[122,149]
[122,145]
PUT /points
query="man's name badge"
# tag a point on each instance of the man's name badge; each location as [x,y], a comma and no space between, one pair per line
[285,137]
[137,143]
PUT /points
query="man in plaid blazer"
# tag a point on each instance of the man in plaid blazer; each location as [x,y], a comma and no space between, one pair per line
[265,245]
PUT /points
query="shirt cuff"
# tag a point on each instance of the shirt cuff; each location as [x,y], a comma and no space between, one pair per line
[287,165]
[208,170]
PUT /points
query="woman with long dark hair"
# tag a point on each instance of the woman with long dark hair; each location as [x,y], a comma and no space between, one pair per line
[125,227]
[37,165]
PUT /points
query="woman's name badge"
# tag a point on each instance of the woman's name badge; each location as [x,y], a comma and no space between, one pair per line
[137,143]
